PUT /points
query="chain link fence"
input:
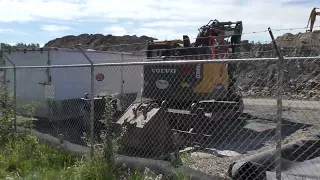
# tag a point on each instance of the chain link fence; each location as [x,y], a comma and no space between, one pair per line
[239,118]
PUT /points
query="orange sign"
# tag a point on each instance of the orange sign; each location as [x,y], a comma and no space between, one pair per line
[99,77]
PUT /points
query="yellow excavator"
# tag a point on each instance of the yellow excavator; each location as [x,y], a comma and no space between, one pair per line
[190,101]
[312,18]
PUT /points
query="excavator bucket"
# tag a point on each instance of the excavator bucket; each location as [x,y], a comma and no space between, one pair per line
[153,131]
[147,132]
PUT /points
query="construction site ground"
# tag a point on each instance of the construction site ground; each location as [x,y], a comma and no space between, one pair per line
[258,132]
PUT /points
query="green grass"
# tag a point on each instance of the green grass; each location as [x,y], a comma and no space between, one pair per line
[24,157]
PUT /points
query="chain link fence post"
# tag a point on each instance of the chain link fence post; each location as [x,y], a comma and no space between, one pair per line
[92,139]
[92,110]
[122,81]
[279,105]
[14,93]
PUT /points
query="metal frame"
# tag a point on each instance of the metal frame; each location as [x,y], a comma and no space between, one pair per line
[142,62]
[279,105]
[14,92]
[91,102]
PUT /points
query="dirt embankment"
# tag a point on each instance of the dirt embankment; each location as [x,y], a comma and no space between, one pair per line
[101,42]
[258,79]
[301,77]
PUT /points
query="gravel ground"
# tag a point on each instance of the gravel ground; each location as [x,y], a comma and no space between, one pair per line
[257,134]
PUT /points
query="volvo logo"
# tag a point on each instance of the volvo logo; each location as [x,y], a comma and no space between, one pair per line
[164,71]
[162,84]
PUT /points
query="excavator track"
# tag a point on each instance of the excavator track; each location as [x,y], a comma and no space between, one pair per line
[171,129]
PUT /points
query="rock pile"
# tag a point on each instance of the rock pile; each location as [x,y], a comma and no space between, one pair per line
[258,79]
[301,76]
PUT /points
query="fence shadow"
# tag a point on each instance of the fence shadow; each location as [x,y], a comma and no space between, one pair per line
[250,133]
[71,130]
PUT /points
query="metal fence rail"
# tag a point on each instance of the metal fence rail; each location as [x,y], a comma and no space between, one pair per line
[274,103]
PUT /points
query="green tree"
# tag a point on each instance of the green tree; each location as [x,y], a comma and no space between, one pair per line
[19,45]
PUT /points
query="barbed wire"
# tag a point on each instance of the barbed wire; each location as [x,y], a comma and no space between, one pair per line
[244,33]
[244,53]
[282,29]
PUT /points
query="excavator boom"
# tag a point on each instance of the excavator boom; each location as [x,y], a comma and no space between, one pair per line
[312,18]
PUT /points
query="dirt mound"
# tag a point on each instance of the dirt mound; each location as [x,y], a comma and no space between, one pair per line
[302,77]
[101,42]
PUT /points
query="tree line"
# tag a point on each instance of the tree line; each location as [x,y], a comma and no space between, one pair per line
[19,45]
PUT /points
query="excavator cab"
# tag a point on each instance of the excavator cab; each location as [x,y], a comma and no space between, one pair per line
[202,81]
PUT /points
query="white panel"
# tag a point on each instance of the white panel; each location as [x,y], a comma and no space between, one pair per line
[132,75]
[74,82]
[66,57]
[28,88]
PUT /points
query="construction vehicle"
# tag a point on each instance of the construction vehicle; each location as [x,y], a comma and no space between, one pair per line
[184,98]
[312,18]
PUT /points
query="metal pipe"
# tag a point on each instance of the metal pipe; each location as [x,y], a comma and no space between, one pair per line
[122,80]
[91,103]
[279,105]
[177,62]
[14,93]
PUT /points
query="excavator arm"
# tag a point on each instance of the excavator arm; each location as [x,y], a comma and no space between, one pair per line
[312,18]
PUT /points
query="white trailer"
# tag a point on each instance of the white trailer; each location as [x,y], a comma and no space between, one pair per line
[55,92]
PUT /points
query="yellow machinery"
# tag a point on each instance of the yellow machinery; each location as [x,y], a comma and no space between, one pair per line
[312,18]
[177,98]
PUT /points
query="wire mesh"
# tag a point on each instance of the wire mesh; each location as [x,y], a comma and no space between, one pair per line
[220,133]
[215,116]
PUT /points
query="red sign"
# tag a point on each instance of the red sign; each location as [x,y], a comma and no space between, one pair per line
[99,77]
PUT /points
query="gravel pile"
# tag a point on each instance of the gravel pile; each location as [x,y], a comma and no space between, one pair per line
[101,42]
[301,77]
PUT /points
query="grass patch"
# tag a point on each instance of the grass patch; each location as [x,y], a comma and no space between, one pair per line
[24,157]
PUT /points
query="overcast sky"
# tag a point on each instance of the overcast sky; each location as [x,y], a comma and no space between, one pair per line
[39,21]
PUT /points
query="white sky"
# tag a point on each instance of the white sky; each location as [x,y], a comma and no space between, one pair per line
[163,19]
